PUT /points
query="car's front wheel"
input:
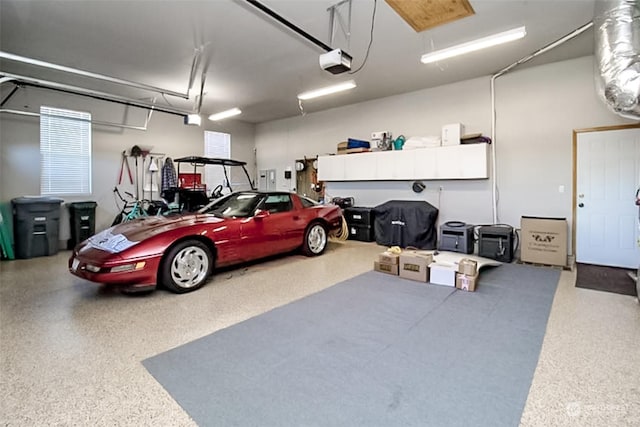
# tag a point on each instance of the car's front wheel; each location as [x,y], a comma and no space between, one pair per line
[187,267]
[315,239]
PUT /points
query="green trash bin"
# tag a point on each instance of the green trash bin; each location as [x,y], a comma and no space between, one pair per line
[83,222]
[36,226]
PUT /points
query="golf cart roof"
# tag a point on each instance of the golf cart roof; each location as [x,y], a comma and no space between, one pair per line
[198,160]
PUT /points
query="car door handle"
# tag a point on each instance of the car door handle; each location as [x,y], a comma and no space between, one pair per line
[296,217]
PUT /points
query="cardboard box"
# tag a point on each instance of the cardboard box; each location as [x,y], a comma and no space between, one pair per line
[342,147]
[468,266]
[415,266]
[467,282]
[385,268]
[440,274]
[543,240]
[452,133]
[388,258]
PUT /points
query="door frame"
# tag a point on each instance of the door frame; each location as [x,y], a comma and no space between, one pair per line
[574,197]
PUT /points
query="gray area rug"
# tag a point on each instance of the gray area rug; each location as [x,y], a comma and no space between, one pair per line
[375,350]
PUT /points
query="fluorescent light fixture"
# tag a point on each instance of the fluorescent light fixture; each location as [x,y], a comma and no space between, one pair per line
[496,39]
[327,90]
[225,114]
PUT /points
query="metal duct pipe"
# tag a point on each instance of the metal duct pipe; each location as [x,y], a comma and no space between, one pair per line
[39,63]
[617,29]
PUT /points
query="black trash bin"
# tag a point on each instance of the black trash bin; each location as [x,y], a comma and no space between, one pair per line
[83,222]
[36,224]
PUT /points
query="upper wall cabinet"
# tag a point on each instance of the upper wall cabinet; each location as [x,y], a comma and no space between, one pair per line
[466,161]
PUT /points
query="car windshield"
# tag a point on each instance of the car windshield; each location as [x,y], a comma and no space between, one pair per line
[234,205]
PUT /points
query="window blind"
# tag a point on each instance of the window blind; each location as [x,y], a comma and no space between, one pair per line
[218,145]
[65,152]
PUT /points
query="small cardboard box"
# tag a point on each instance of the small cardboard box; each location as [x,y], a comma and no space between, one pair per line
[388,258]
[383,267]
[468,266]
[342,147]
[415,266]
[440,274]
[467,282]
[544,240]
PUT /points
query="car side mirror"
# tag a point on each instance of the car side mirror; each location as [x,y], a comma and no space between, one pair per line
[260,214]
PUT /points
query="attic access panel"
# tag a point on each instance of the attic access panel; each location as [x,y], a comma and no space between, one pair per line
[424,14]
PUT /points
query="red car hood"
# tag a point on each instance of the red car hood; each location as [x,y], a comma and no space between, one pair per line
[123,236]
[144,228]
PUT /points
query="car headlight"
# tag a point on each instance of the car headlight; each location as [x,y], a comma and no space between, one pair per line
[92,268]
[128,267]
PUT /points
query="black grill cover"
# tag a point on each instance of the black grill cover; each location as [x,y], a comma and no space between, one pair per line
[406,223]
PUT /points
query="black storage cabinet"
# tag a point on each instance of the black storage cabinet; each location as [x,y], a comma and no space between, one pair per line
[360,223]
[83,222]
[406,223]
[36,225]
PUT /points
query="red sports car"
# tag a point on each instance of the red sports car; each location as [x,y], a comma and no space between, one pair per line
[179,252]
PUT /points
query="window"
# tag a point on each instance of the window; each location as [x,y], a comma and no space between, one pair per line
[277,203]
[217,145]
[307,202]
[65,152]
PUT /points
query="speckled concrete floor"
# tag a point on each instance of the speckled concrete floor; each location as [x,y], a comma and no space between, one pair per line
[70,351]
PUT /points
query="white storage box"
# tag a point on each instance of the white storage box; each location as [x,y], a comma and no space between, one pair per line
[452,133]
[441,274]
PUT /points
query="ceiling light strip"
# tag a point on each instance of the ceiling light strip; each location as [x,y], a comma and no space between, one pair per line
[225,114]
[482,43]
[327,90]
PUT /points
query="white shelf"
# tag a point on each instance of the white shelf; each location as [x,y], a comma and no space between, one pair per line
[466,161]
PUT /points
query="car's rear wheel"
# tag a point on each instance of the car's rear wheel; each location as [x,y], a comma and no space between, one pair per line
[187,266]
[315,239]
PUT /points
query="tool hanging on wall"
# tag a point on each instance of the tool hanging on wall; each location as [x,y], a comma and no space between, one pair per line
[153,168]
[125,163]
[135,153]
[144,173]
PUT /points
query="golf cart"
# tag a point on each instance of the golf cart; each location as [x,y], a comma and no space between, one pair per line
[192,193]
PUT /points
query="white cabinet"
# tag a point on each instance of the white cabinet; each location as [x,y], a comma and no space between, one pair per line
[331,168]
[401,165]
[466,161]
[360,167]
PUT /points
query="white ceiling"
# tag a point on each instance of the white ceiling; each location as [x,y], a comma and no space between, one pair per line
[259,65]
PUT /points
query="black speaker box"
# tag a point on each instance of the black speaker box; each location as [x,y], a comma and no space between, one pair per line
[496,242]
[456,237]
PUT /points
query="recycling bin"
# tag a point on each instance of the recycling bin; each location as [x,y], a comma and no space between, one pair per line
[83,222]
[36,226]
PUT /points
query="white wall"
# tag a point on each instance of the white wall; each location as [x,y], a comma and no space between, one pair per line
[537,109]
[20,139]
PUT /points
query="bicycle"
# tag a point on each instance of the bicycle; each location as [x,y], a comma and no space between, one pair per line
[131,209]
[134,208]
